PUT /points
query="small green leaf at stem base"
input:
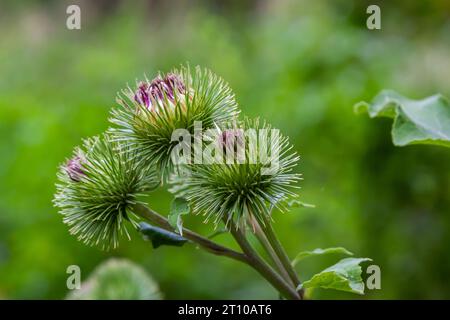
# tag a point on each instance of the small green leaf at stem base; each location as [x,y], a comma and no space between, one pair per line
[318,252]
[344,275]
[178,208]
[159,236]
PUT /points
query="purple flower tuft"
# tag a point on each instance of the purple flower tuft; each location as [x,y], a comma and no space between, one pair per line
[174,82]
[141,95]
[232,139]
[159,87]
[74,168]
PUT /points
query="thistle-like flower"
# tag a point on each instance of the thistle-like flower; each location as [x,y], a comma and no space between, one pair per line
[259,178]
[149,114]
[97,188]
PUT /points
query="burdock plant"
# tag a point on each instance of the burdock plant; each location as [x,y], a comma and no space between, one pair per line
[236,173]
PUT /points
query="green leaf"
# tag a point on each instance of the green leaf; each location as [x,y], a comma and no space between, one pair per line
[319,251]
[297,204]
[178,208]
[425,121]
[117,279]
[344,275]
[159,236]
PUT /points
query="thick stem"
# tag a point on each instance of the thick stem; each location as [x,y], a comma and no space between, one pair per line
[203,242]
[276,245]
[262,267]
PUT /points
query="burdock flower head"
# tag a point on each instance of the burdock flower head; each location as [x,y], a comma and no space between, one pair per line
[97,189]
[259,178]
[149,114]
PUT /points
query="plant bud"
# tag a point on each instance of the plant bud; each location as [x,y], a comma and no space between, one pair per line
[74,168]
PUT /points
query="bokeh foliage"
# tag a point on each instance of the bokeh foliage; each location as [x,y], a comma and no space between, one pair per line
[299,64]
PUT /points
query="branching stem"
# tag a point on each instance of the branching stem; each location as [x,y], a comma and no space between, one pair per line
[249,257]
[268,248]
[261,266]
[210,246]
[281,253]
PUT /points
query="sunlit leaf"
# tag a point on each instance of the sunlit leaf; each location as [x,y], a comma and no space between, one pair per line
[159,236]
[425,121]
[344,275]
[319,251]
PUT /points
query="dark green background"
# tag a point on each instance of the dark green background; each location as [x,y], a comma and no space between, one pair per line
[299,64]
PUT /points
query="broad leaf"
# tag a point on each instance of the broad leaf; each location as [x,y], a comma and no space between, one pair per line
[117,279]
[319,251]
[159,236]
[344,275]
[178,208]
[425,121]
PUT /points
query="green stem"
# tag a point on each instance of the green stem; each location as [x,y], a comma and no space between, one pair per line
[250,257]
[208,245]
[262,267]
[268,248]
[281,253]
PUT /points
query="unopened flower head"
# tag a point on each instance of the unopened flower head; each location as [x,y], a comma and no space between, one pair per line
[97,189]
[150,113]
[240,190]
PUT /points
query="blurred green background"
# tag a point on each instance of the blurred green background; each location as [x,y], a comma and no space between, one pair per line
[299,64]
